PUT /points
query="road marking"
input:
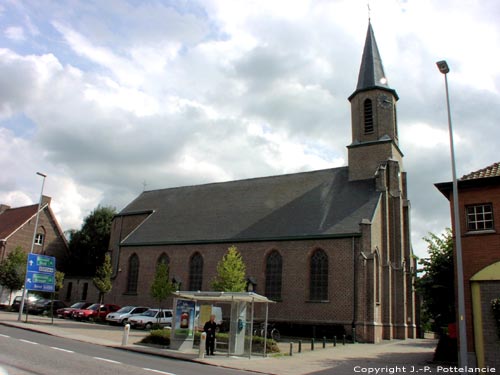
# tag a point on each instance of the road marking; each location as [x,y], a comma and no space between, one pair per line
[28,342]
[62,350]
[157,371]
[106,360]
[4,336]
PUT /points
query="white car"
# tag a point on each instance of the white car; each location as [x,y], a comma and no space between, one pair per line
[122,316]
[153,316]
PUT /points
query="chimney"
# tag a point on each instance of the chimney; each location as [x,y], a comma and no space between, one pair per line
[3,208]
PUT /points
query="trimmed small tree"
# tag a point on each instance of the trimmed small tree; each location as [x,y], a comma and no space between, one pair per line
[161,287]
[230,272]
[13,270]
[102,280]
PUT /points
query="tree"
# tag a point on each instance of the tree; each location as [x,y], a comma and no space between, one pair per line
[437,283]
[89,245]
[59,280]
[161,287]
[102,280]
[230,272]
[13,270]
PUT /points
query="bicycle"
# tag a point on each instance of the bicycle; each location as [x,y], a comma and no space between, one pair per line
[272,332]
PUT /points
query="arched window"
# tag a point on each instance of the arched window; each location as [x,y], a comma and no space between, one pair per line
[368,115]
[163,258]
[274,270]
[133,273]
[196,272]
[319,276]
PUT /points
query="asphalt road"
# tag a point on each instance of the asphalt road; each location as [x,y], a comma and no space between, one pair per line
[25,352]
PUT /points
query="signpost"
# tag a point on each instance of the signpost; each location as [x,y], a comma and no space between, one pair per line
[40,273]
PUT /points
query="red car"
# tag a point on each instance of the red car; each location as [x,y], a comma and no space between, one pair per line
[67,312]
[95,312]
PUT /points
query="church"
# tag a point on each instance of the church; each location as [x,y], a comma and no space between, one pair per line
[331,247]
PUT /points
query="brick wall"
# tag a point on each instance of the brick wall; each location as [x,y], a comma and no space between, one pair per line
[53,245]
[295,305]
[479,249]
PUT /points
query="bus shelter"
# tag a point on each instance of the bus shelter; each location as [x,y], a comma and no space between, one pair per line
[241,323]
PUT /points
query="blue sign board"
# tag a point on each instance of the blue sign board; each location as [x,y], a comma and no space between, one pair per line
[40,273]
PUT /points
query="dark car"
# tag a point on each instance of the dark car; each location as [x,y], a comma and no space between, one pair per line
[67,312]
[44,306]
[29,302]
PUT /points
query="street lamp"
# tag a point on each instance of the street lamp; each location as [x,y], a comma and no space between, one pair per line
[443,68]
[21,306]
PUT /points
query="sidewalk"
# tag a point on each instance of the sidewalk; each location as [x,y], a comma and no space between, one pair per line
[343,359]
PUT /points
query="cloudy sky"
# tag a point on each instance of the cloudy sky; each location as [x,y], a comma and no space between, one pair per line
[107,97]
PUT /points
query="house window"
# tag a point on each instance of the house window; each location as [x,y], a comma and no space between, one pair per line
[85,290]
[133,274]
[319,276]
[479,217]
[196,272]
[274,270]
[68,292]
[368,113]
[39,239]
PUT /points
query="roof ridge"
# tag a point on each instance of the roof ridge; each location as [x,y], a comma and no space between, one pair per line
[243,179]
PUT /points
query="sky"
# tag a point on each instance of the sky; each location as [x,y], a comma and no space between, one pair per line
[109,98]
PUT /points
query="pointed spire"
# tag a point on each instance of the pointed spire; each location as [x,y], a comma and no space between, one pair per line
[371,72]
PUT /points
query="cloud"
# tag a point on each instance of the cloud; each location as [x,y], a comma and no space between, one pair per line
[106,96]
[15,33]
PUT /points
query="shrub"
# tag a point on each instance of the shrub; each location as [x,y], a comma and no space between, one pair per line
[157,337]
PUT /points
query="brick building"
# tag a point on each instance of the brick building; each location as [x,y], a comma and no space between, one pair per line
[17,226]
[332,246]
[479,206]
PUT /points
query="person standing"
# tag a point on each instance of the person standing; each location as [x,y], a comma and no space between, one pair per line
[209,329]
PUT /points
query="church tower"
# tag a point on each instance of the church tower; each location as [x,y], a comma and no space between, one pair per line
[373,114]
[374,154]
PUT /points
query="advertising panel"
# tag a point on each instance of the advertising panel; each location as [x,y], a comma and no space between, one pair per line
[184,318]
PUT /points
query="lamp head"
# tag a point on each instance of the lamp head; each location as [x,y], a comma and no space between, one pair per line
[443,66]
[41,174]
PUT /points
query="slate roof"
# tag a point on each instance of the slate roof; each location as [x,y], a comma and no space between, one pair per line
[301,205]
[13,218]
[371,72]
[490,171]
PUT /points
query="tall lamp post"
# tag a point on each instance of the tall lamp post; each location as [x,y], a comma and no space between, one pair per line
[443,68]
[21,306]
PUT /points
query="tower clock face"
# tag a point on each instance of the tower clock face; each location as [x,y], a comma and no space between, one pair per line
[384,101]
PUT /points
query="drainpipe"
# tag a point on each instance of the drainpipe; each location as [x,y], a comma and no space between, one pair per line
[355,287]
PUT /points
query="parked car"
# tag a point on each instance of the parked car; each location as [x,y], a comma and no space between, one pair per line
[150,317]
[95,312]
[122,316]
[67,312]
[44,306]
[29,302]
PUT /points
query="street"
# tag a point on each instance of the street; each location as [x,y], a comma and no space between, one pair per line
[26,352]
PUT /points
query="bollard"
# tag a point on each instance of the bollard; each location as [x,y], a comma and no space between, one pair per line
[353,335]
[126,331]
[334,341]
[291,349]
[203,345]
[324,342]
[300,346]
[343,339]
[312,344]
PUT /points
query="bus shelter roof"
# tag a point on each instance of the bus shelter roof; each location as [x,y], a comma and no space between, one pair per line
[223,296]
